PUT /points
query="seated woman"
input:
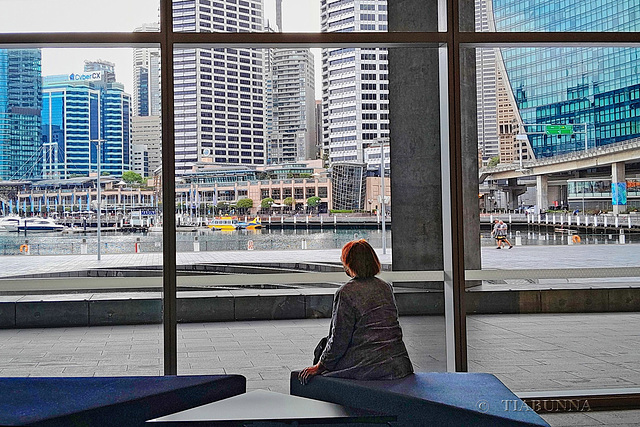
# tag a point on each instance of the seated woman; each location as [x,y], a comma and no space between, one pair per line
[365,338]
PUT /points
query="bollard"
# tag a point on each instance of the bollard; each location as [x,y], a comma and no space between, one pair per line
[281,219]
[595,221]
[605,221]
[586,221]
[304,243]
[629,220]
[569,239]
[539,221]
[546,219]
[622,238]
[491,218]
[196,244]
[334,220]
[509,218]
[321,221]
[295,219]
[578,220]
[83,247]
[518,238]
[554,219]
[307,218]
[617,224]
[137,245]
[568,219]
[269,219]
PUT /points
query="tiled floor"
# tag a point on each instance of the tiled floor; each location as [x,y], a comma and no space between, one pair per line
[527,352]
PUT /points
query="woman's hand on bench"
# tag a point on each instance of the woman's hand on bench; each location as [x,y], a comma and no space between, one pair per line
[309,372]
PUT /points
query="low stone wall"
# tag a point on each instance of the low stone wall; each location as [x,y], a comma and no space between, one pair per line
[102,309]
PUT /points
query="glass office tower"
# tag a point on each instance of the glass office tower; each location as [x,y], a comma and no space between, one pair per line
[76,114]
[596,86]
[20,105]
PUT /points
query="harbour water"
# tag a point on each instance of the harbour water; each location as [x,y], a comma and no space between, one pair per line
[258,240]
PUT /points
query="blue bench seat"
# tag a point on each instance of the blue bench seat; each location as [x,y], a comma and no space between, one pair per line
[108,401]
[427,399]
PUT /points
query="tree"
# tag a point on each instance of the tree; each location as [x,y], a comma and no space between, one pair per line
[244,204]
[131,177]
[494,161]
[222,206]
[289,201]
[313,202]
[266,202]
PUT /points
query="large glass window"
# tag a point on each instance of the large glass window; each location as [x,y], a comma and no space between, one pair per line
[556,16]
[558,223]
[236,129]
[42,16]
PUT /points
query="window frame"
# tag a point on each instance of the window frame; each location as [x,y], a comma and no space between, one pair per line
[451,40]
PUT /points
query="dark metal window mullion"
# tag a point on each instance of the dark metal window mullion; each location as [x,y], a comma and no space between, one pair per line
[455,189]
[169,279]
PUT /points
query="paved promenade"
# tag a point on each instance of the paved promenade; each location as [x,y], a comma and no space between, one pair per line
[520,257]
[527,352]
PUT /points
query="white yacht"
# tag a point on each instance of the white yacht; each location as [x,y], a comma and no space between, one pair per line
[31,224]
[9,223]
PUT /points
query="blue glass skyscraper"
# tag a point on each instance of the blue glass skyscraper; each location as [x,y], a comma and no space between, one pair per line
[79,110]
[596,86]
[20,106]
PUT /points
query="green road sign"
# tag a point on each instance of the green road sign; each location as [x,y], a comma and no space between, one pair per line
[559,129]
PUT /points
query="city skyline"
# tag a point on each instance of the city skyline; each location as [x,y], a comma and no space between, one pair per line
[125,16]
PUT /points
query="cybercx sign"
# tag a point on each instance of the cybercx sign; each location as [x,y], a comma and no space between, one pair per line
[87,77]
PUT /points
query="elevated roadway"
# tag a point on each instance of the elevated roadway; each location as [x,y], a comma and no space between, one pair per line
[622,152]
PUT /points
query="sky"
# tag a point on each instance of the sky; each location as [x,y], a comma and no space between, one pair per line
[21,16]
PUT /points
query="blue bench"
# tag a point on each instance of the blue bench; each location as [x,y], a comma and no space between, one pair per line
[421,399]
[109,401]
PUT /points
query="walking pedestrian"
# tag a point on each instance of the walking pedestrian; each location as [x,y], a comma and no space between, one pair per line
[502,234]
[495,233]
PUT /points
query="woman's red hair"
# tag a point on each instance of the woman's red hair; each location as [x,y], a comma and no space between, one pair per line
[359,259]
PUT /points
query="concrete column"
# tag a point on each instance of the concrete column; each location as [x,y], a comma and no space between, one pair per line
[618,180]
[542,198]
[514,190]
[414,112]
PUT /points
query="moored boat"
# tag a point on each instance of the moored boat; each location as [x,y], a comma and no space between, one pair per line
[225,223]
[32,224]
[254,224]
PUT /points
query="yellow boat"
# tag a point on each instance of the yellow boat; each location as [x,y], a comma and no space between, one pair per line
[224,223]
[254,224]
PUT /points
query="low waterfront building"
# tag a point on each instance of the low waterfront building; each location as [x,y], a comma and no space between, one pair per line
[73,195]
[209,186]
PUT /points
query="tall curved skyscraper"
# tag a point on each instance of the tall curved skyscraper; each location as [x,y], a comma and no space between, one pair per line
[594,86]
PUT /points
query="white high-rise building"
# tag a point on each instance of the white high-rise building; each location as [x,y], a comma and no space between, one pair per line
[486,81]
[293,135]
[355,82]
[146,77]
[146,131]
[219,93]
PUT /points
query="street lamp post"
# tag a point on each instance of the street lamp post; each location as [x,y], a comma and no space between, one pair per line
[382,199]
[99,195]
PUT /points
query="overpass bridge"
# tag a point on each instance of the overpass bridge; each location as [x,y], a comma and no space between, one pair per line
[625,152]
[616,156]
